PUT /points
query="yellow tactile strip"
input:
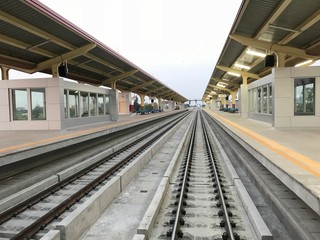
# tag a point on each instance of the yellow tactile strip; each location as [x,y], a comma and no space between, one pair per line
[298,159]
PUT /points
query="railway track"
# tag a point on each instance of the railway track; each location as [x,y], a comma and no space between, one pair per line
[24,220]
[201,203]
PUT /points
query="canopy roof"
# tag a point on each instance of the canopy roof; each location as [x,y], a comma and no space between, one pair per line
[287,28]
[33,38]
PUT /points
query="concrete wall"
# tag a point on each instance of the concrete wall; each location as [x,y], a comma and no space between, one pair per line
[284,97]
[282,80]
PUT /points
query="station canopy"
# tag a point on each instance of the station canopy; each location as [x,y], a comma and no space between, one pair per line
[287,29]
[33,38]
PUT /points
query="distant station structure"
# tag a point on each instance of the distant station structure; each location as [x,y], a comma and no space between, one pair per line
[264,68]
[36,39]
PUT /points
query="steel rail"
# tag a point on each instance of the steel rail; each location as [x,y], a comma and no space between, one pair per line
[176,224]
[67,203]
[221,197]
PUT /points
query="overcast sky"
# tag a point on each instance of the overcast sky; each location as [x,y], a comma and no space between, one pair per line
[176,41]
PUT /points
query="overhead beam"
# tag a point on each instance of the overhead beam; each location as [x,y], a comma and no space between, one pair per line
[242,73]
[227,82]
[119,77]
[272,46]
[142,85]
[66,56]
[220,88]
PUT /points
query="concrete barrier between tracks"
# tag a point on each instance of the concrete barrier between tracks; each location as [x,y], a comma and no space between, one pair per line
[150,216]
[18,197]
[259,226]
[80,220]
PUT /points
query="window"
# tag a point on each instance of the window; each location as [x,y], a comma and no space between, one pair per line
[38,110]
[270,98]
[259,100]
[107,105]
[93,104]
[84,104]
[304,102]
[19,104]
[73,103]
[265,99]
[100,104]
[65,102]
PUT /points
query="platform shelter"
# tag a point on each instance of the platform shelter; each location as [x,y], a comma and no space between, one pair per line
[267,60]
[35,39]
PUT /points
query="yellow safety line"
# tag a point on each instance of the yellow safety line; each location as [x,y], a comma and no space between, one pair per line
[302,161]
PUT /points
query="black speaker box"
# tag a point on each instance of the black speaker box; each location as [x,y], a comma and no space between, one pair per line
[269,61]
[63,70]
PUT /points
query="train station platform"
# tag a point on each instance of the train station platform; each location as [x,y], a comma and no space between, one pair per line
[22,142]
[291,154]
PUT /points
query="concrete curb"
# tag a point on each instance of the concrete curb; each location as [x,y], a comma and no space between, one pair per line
[51,235]
[259,226]
[74,225]
[150,216]
[29,191]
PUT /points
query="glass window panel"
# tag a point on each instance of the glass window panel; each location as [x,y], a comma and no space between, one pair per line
[84,104]
[100,104]
[19,104]
[270,98]
[65,102]
[107,105]
[73,102]
[304,102]
[264,99]
[259,101]
[38,104]
[93,104]
[255,100]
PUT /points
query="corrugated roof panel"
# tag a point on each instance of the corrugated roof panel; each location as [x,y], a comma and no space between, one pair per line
[296,13]
[308,37]
[256,13]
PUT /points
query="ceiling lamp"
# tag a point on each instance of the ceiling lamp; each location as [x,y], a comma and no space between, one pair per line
[255,53]
[234,74]
[242,66]
[303,63]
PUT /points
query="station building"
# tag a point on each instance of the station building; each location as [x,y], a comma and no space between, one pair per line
[36,39]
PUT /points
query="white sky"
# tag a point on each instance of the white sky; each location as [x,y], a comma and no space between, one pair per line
[176,41]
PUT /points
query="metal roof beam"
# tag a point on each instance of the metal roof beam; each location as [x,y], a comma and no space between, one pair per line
[142,85]
[272,46]
[66,56]
[220,88]
[119,77]
[242,73]
[224,81]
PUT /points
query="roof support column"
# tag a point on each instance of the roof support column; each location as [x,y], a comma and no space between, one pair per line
[113,84]
[234,96]
[114,105]
[281,57]
[244,104]
[142,101]
[54,70]
[4,73]
[160,103]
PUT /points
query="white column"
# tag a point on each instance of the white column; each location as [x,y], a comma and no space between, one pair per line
[114,105]
[244,103]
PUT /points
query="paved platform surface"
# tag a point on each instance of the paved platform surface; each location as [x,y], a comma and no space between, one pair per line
[13,141]
[293,154]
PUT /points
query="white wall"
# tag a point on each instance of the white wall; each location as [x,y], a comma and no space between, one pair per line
[284,97]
